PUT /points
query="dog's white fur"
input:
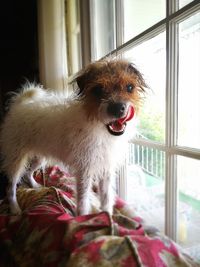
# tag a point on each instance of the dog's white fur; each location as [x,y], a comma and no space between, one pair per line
[41,124]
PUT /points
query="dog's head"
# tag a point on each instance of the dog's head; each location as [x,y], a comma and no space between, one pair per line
[112,91]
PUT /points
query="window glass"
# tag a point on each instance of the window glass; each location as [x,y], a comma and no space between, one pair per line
[183,3]
[150,58]
[189,204]
[142,177]
[140,15]
[103,27]
[146,183]
[189,82]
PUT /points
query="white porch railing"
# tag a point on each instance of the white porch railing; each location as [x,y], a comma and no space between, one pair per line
[151,160]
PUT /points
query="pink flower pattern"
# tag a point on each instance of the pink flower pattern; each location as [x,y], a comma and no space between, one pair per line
[49,234]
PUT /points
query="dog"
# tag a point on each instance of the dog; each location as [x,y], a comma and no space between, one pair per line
[85,132]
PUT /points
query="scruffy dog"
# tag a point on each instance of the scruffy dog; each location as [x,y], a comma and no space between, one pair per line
[85,132]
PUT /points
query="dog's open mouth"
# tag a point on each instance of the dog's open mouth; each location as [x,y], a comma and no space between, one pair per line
[118,127]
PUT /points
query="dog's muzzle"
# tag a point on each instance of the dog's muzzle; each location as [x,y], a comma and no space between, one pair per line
[117,127]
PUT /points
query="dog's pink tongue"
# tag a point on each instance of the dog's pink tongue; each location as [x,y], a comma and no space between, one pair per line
[128,116]
[118,125]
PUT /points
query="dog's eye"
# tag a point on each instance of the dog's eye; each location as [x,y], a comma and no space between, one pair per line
[98,91]
[129,88]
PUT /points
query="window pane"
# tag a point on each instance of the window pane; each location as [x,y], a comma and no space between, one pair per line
[189,205]
[183,3]
[189,82]
[103,27]
[150,58]
[140,15]
[145,183]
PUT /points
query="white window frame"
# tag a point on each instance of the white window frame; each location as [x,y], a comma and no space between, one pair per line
[170,147]
[52,44]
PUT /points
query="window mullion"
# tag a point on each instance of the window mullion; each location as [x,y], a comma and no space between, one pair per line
[171,126]
[85,32]
[119,19]
[119,37]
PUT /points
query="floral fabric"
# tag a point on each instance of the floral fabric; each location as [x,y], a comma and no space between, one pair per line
[49,234]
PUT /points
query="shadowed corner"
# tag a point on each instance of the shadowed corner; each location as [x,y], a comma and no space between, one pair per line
[3,185]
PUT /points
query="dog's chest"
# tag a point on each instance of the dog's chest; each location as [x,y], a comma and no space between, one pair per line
[94,148]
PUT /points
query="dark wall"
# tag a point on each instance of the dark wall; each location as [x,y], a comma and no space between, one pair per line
[18,46]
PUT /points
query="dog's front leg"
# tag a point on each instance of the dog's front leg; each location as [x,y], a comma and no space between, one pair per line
[14,206]
[106,193]
[83,193]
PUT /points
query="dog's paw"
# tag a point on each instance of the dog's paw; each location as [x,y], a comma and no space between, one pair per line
[108,208]
[83,210]
[15,209]
[35,185]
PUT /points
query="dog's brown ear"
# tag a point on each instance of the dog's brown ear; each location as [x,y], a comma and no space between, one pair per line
[141,81]
[81,81]
[85,78]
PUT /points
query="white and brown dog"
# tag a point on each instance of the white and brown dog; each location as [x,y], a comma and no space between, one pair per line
[84,133]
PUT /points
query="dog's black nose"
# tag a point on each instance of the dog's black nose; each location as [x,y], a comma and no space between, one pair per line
[116,109]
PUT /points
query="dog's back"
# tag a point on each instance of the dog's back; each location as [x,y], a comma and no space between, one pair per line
[44,124]
[40,124]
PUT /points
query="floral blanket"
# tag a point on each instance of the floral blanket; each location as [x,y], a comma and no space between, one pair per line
[49,234]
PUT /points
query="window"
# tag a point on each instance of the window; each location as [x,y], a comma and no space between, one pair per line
[188,202]
[150,58]
[103,27]
[162,172]
[73,36]
[189,81]
[140,15]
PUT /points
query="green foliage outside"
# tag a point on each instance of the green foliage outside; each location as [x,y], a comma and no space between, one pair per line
[151,124]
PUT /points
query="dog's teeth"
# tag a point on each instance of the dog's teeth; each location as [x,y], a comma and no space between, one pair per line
[117,131]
